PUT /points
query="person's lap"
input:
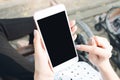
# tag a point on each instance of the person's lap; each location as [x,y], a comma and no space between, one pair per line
[12,64]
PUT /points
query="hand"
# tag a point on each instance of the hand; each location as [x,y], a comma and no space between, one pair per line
[43,67]
[99,50]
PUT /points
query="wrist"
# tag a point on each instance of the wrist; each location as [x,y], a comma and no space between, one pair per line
[42,77]
[104,64]
[107,71]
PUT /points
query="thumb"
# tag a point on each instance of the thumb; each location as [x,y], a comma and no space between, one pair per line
[41,55]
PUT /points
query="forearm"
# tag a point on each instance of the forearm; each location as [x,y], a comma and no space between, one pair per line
[42,77]
[107,71]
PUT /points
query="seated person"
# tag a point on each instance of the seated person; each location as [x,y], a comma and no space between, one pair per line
[13,64]
[99,50]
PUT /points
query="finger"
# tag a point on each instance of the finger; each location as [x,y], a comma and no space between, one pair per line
[41,55]
[37,54]
[111,48]
[73,29]
[37,40]
[72,23]
[86,48]
[74,37]
[102,42]
[92,50]
[92,42]
[50,65]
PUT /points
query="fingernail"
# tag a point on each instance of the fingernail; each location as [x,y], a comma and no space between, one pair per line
[77,46]
[35,32]
[91,40]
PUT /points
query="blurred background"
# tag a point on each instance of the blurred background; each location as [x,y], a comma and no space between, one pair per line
[85,10]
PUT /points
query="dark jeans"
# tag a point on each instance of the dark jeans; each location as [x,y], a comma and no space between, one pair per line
[13,64]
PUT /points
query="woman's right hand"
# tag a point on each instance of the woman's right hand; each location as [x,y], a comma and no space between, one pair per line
[99,50]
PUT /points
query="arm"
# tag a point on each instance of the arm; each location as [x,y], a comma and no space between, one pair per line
[107,71]
[99,50]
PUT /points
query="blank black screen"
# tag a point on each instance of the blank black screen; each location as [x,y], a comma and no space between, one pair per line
[57,38]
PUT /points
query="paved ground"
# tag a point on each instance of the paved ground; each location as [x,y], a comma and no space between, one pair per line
[77,9]
[85,10]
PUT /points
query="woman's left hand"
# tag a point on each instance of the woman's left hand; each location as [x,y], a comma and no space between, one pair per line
[43,66]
